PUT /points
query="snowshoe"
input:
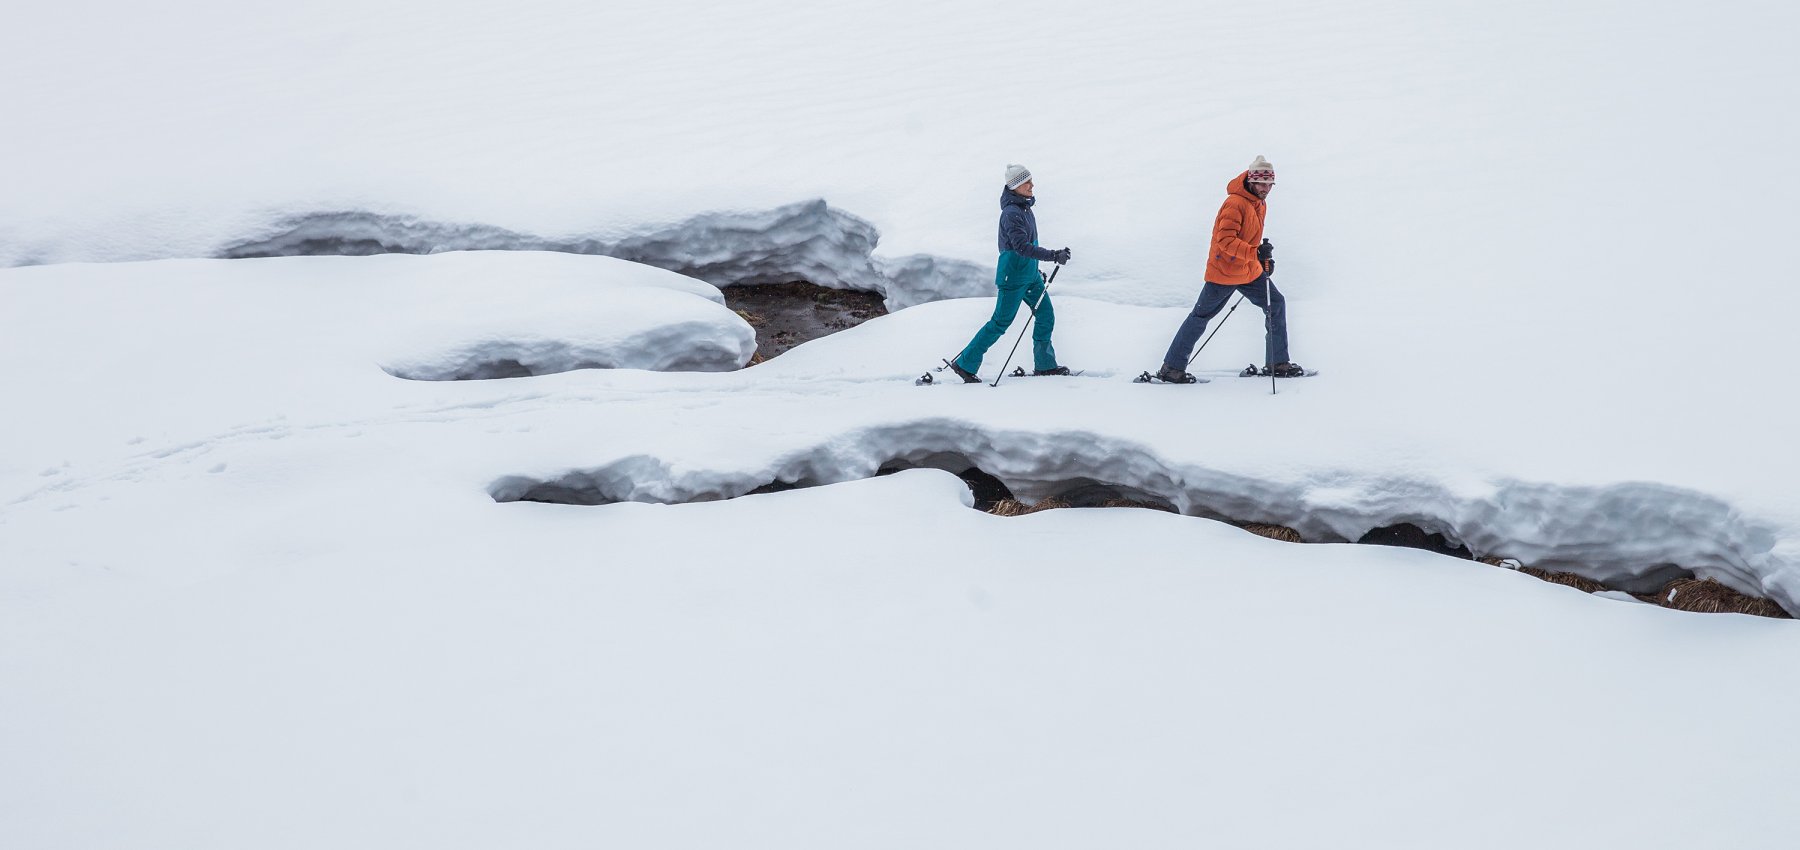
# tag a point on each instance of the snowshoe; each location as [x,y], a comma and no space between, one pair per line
[1280,370]
[968,377]
[1019,372]
[1166,375]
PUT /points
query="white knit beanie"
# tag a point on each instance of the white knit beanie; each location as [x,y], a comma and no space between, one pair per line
[1017,175]
[1261,171]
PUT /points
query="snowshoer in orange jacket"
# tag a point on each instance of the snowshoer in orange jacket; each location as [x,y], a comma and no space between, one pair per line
[1240,260]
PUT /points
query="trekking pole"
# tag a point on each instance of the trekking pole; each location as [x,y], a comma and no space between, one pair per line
[1028,321]
[1215,330]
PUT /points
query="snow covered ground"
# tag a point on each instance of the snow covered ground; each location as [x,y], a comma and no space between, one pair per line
[260,591]
[262,582]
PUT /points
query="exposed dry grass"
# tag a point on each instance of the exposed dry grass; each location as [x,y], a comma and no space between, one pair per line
[1710,597]
[1705,596]
[751,319]
[1132,503]
[1581,583]
[1014,507]
[1273,532]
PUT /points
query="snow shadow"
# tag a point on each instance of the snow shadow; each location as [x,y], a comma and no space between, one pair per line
[807,241]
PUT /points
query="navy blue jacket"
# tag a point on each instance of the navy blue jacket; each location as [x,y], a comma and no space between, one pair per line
[1018,227]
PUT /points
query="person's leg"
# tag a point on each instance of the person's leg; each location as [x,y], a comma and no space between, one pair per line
[1274,307]
[1043,355]
[1212,299]
[1006,306]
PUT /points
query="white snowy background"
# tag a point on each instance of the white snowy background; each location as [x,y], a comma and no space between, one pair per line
[262,583]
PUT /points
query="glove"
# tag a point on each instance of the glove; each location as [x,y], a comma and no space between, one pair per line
[1265,250]
[1059,256]
[1268,265]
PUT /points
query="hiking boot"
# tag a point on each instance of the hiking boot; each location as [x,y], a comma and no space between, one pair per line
[1060,370]
[1288,370]
[967,376]
[1171,375]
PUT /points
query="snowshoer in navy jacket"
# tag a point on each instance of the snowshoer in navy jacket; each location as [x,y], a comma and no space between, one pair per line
[1017,279]
[1018,226]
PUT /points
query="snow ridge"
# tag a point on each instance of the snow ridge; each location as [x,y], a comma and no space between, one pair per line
[1632,536]
[802,241]
[694,346]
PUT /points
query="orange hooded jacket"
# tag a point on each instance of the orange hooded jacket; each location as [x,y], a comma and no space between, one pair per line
[1236,233]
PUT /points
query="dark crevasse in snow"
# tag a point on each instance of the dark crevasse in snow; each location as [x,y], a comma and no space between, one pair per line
[787,314]
[1551,532]
[1665,585]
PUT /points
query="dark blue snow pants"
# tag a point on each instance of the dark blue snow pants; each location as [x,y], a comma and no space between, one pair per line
[1212,299]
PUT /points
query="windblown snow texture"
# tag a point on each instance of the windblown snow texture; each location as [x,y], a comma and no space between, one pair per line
[807,241]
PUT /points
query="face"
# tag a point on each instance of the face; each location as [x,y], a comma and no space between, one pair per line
[1261,190]
[1024,189]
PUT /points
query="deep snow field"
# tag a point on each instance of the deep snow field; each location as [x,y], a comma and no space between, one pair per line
[266,581]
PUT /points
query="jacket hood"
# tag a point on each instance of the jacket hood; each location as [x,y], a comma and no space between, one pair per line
[1236,187]
[1008,196]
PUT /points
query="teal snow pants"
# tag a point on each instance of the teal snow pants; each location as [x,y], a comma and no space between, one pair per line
[1017,279]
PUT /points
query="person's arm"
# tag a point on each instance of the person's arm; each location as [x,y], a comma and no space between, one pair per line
[1018,239]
